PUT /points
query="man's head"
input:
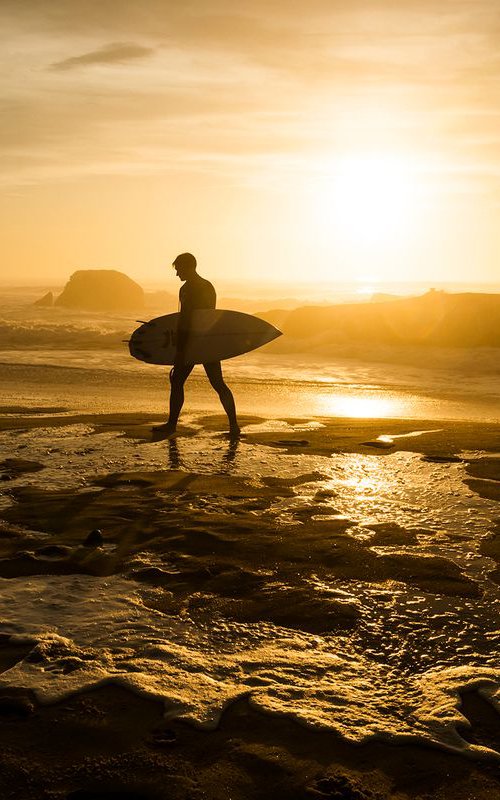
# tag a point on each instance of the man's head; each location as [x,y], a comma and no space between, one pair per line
[184,265]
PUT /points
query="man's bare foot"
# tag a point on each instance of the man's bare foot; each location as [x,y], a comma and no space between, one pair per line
[165,430]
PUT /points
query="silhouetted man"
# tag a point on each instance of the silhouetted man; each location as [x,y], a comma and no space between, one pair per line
[194,294]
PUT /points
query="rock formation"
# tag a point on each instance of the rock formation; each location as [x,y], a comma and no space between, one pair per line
[46,300]
[435,318]
[101,290]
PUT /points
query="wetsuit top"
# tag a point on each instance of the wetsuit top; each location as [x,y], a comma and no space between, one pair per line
[195,293]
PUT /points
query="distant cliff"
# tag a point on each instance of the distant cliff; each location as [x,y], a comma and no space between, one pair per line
[436,318]
[101,290]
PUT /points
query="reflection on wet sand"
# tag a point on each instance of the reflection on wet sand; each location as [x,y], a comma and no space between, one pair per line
[377,405]
[175,461]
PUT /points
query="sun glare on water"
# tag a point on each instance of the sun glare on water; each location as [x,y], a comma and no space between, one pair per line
[361,407]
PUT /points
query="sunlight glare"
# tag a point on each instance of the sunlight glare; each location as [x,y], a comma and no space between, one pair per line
[370,199]
[361,407]
[372,196]
[365,290]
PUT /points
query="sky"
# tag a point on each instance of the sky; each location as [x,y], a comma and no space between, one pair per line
[327,140]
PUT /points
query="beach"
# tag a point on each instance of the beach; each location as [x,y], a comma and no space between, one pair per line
[311,609]
[314,605]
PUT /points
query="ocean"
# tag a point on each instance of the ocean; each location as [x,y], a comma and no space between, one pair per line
[44,349]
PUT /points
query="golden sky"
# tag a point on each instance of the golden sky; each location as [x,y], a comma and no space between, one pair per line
[322,140]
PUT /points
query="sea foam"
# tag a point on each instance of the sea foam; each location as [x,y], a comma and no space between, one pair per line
[199,669]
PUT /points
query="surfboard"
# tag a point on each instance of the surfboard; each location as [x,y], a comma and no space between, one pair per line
[215,335]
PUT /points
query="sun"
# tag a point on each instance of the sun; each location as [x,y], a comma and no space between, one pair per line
[368,201]
[372,197]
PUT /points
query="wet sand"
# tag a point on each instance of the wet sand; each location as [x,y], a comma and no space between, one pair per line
[110,743]
[300,527]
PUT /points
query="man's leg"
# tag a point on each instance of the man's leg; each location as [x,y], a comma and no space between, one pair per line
[178,377]
[214,374]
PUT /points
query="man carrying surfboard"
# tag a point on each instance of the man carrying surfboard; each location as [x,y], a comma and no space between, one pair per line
[196,293]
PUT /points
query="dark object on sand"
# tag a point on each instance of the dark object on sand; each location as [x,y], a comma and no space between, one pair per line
[94,539]
[15,705]
[338,787]
[53,551]
[105,794]
[101,290]
[441,459]
[46,300]
[293,442]
[380,444]
[165,737]
[18,466]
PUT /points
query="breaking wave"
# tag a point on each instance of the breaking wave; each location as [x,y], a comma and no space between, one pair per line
[64,335]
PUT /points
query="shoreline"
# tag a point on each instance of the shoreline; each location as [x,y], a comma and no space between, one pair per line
[356,394]
[316,435]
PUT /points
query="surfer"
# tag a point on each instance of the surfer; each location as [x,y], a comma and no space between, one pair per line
[195,293]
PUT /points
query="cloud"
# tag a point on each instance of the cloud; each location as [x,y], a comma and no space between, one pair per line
[209,80]
[114,53]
